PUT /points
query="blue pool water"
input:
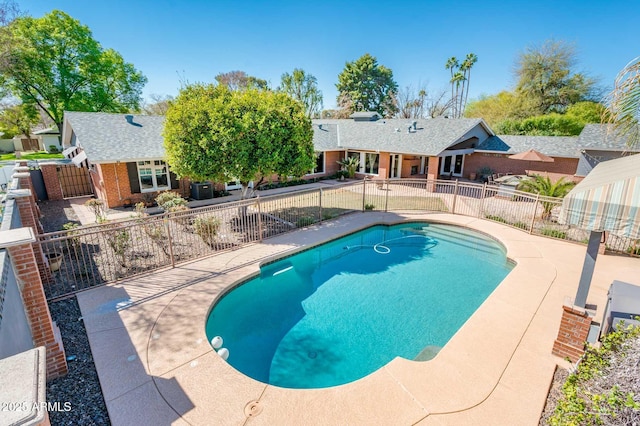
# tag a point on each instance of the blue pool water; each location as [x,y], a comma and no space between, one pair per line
[335,313]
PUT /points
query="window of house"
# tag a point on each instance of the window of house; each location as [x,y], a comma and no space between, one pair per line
[414,170]
[153,175]
[371,161]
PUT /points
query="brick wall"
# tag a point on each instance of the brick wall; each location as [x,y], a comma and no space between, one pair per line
[574,329]
[500,163]
[408,162]
[331,159]
[51,181]
[433,168]
[42,326]
[115,190]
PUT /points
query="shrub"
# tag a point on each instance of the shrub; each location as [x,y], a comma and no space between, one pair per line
[168,199]
[350,165]
[328,215]
[221,193]
[74,241]
[97,207]
[207,228]
[53,149]
[369,207]
[305,221]
[496,218]
[596,392]
[119,240]
[554,233]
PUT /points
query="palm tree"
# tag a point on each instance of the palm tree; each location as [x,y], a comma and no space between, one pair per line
[457,79]
[452,63]
[350,165]
[466,66]
[545,187]
[624,103]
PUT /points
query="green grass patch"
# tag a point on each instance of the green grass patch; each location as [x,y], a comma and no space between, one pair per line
[42,155]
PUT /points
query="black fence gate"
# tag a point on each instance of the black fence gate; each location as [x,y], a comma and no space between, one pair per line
[74,181]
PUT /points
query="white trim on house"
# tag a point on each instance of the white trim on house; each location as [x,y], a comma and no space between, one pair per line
[151,169]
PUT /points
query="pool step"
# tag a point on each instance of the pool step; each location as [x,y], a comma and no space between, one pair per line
[461,238]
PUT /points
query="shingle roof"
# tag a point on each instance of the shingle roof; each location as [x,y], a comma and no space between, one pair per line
[391,135]
[553,146]
[602,137]
[107,138]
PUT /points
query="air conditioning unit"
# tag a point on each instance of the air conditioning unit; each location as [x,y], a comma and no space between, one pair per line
[201,190]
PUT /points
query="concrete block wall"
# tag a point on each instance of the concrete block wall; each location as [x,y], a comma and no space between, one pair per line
[572,336]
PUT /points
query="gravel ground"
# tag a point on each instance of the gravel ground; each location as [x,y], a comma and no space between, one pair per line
[55,214]
[81,386]
[555,393]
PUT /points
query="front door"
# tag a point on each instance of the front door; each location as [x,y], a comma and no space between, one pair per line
[395,166]
[452,165]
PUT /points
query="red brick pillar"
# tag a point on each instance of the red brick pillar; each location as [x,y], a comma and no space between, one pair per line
[24,183]
[18,243]
[27,218]
[433,172]
[51,181]
[572,336]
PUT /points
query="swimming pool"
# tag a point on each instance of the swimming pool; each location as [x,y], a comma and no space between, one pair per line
[337,312]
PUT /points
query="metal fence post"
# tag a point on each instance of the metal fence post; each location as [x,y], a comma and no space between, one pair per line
[259,218]
[320,206]
[386,197]
[455,197]
[535,210]
[364,192]
[173,261]
[484,193]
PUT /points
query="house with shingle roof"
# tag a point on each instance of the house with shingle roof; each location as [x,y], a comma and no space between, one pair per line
[597,143]
[126,158]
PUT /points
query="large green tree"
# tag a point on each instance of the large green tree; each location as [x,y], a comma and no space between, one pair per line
[213,133]
[18,120]
[303,87]
[546,75]
[56,64]
[570,123]
[505,105]
[158,105]
[624,103]
[364,85]
[240,80]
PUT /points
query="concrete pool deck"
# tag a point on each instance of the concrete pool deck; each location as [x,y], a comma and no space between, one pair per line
[147,336]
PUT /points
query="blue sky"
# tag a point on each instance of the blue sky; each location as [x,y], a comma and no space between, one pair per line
[192,41]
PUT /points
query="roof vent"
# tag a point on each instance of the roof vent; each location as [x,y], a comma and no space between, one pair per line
[414,124]
[320,126]
[129,119]
[365,116]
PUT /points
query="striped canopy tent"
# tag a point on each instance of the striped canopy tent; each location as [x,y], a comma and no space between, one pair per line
[607,200]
